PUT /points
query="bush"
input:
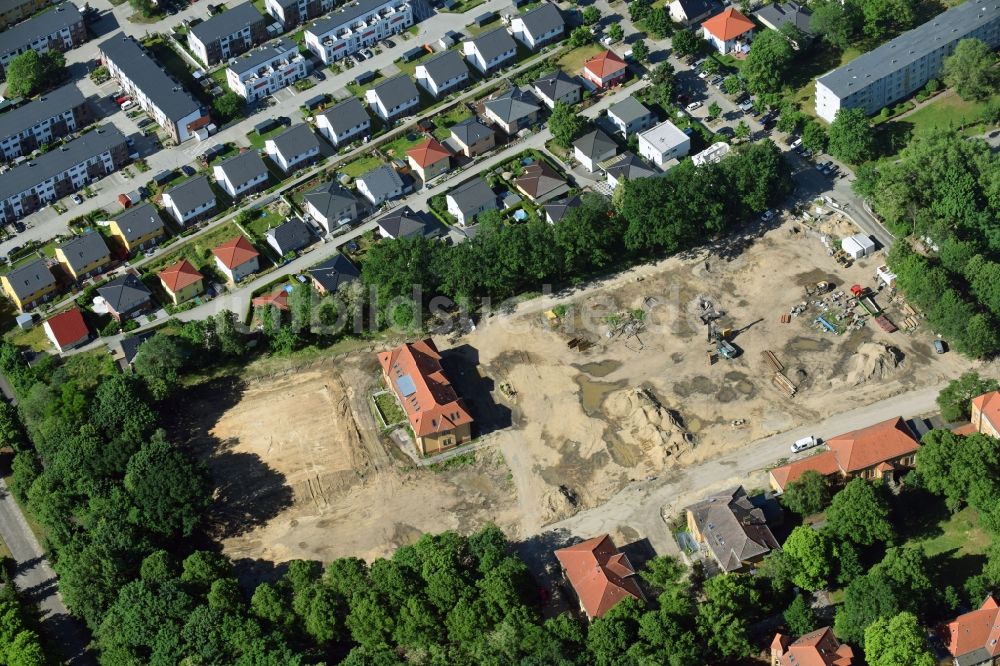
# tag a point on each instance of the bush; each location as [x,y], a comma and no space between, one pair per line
[109,329]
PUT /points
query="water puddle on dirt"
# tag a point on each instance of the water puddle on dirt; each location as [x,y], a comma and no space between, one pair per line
[593,393]
[808,344]
[599,368]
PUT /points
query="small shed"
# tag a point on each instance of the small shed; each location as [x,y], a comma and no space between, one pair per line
[25,320]
[413,54]
[164,177]
[887,277]
[365,77]
[484,19]
[314,102]
[858,246]
[266,126]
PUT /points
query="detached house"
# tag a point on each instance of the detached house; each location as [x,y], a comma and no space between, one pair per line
[470,199]
[513,110]
[331,206]
[84,256]
[817,648]
[473,138]
[126,297]
[986,413]
[442,73]
[777,15]
[556,210]
[729,31]
[491,50]
[557,87]
[691,12]
[438,417]
[733,529]
[429,159]
[539,182]
[242,174]
[876,452]
[329,275]
[600,575]
[294,148]
[29,285]
[290,237]
[402,222]
[605,70]
[228,34]
[380,185]
[67,330]
[539,26]
[190,201]
[237,258]
[630,116]
[629,167]
[593,148]
[974,638]
[664,144]
[343,122]
[393,97]
[181,281]
[138,227]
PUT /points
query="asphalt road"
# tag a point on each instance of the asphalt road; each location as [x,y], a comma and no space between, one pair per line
[37,582]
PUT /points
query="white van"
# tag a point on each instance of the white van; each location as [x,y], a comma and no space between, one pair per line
[804,443]
[128,105]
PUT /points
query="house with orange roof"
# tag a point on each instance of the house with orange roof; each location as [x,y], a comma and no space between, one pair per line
[67,330]
[600,575]
[729,32]
[181,281]
[605,70]
[237,258]
[277,299]
[986,413]
[878,451]
[974,638]
[437,415]
[430,159]
[817,648]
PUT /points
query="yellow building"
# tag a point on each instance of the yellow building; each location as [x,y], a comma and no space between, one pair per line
[29,285]
[18,10]
[84,256]
[182,281]
[138,228]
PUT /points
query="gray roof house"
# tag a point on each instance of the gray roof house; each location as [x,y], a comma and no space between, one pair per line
[51,116]
[557,86]
[138,223]
[331,205]
[30,279]
[556,210]
[125,295]
[293,148]
[190,200]
[733,527]
[129,346]
[470,199]
[335,271]
[228,34]
[241,174]
[402,222]
[60,28]
[628,167]
[442,73]
[343,121]
[630,117]
[380,185]
[393,97]
[513,110]
[775,16]
[490,50]
[593,148]
[538,26]
[290,236]
[83,254]
[690,12]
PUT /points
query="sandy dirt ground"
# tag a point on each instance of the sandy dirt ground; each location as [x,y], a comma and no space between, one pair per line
[304,470]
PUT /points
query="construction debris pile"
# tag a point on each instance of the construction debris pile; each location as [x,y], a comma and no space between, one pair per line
[645,423]
[873,361]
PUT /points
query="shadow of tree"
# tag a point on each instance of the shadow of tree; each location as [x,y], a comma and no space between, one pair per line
[919,514]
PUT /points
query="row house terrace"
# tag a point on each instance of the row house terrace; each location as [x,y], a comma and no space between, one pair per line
[357,26]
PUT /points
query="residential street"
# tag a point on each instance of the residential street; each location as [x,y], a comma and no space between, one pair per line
[38,584]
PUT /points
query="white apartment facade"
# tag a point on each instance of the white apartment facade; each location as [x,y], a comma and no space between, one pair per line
[59,29]
[357,26]
[267,70]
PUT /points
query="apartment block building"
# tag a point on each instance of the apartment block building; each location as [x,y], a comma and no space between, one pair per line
[13,11]
[141,76]
[266,70]
[901,67]
[57,173]
[60,29]
[292,13]
[357,26]
[229,34]
[51,116]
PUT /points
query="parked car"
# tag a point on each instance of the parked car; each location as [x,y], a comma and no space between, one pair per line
[77,199]
[725,131]
[716,80]
[939,345]
[806,152]
[746,106]
[187,170]
[796,142]
[692,106]
[767,215]
[821,165]
[319,76]
[804,443]
[389,43]
[832,170]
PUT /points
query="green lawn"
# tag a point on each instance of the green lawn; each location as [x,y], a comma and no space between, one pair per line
[197,250]
[820,59]
[409,68]
[361,166]
[34,338]
[231,151]
[258,227]
[961,534]
[390,408]
[572,61]
[946,110]
[397,147]
[257,140]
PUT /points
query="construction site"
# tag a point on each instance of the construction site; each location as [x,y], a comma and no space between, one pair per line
[638,375]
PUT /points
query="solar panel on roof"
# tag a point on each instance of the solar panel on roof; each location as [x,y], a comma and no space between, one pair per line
[406,386]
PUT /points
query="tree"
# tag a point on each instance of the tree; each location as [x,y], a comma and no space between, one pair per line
[638,10]
[591,15]
[799,616]
[663,572]
[814,136]
[808,494]
[732,84]
[767,63]
[685,43]
[144,7]
[742,131]
[170,491]
[714,110]
[834,21]
[616,32]
[580,36]
[25,74]
[961,469]
[723,619]
[955,400]
[851,138]
[658,22]
[897,641]
[227,106]
[565,125]
[810,555]
[640,51]
[159,362]
[860,513]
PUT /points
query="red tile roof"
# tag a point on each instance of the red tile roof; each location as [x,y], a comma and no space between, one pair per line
[867,447]
[966,429]
[978,630]
[179,275]
[68,327]
[427,153]
[235,252]
[278,299]
[824,463]
[989,406]
[728,25]
[605,64]
[817,648]
[418,379]
[600,574]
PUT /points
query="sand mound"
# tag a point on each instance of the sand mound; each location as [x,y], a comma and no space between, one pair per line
[873,361]
[644,423]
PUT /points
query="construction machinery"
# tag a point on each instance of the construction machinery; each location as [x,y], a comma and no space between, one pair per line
[723,347]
